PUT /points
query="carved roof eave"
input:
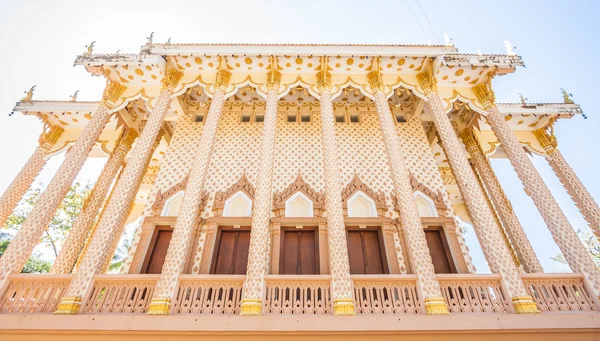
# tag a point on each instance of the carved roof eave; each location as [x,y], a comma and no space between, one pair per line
[299,185]
[563,110]
[94,62]
[503,63]
[356,185]
[56,107]
[299,49]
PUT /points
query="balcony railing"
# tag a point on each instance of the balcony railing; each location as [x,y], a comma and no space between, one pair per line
[389,294]
[33,293]
[310,295]
[295,295]
[559,292]
[466,293]
[209,295]
[120,294]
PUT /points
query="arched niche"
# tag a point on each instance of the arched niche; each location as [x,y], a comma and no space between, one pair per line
[361,201]
[238,205]
[299,200]
[425,205]
[172,205]
[236,201]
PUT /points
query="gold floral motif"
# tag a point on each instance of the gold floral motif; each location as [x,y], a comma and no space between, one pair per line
[344,307]
[525,305]
[324,76]
[273,76]
[485,94]
[546,137]
[50,135]
[436,306]
[112,93]
[172,78]
[251,307]
[427,81]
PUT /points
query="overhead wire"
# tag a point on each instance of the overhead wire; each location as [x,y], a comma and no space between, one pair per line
[429,22]
[417,19]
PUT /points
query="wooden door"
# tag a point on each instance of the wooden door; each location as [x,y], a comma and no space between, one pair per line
[299,253]
[159,250]
[231,253]
[365,252]
[438,248]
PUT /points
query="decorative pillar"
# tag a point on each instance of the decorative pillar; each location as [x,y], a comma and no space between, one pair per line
[563,233]
[571,182]
[418,250]
[276,247]
[124,193]
[120,227]
[23,181]
[39,218]
[486,227]
[489,181]
[80,230]
[339,263]
[263,199]
[190,207]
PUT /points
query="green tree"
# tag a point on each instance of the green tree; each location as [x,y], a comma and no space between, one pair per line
[58,229]
[592,244]
[120,255]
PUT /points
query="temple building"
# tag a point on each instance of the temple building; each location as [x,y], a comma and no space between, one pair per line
[302,191]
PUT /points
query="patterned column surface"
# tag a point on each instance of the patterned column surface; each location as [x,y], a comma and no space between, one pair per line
[517,235]
[120,227]
[33,227]
[420,257]
[23,181]
[189,212]
[79,232]
[338,247]
[570,181]
[486,227]
[563,233]
[112,216]
[260,237]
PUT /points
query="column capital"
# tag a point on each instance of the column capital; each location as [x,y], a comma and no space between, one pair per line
[223,76]
[485,95]
[546,137]
[375,78]
[111,94]
[171,79]
[49,135]
[324,76]
[128,136]
[427,81]
[468,137]
[273,76]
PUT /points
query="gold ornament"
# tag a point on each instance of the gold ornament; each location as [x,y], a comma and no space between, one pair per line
[28,95]
[159,306]
[427,81]
[567,97]
[68,306]
[172,78]
[436,306]
[90,48]
[525,305]
[251,307]
[273,76]
[112,93]
[343,307]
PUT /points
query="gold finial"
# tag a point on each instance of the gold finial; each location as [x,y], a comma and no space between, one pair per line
[323,75]
[112,93]
[484,93]
[426,79]
[567,97]
[28,95]
[523,99]
[150,38]
[172,78]
[374,77]
[274,76]
[223,75]
[90,48]
[74,96]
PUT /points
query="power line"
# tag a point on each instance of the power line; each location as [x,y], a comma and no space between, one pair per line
[418,22]
[428,22]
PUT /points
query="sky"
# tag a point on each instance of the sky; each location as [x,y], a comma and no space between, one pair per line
[558,41]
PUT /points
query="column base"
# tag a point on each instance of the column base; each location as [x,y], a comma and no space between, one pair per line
[343,307]
[159,306]
[525,305]
[68,306]
[251,307]
[436,306]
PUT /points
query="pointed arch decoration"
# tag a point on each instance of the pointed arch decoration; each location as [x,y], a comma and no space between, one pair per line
[356,185]
[242,185]
[162,198]
[435,197]
[299,185]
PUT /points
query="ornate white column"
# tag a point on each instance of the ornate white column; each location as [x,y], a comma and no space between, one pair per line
[258,257]
[339,263]
[23,181]
[486,227]
[33,227]
[420,257]
[563,233]
[190,207]
[571,182]
[123,194]
[516,234]
[74,243]
[120,227]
